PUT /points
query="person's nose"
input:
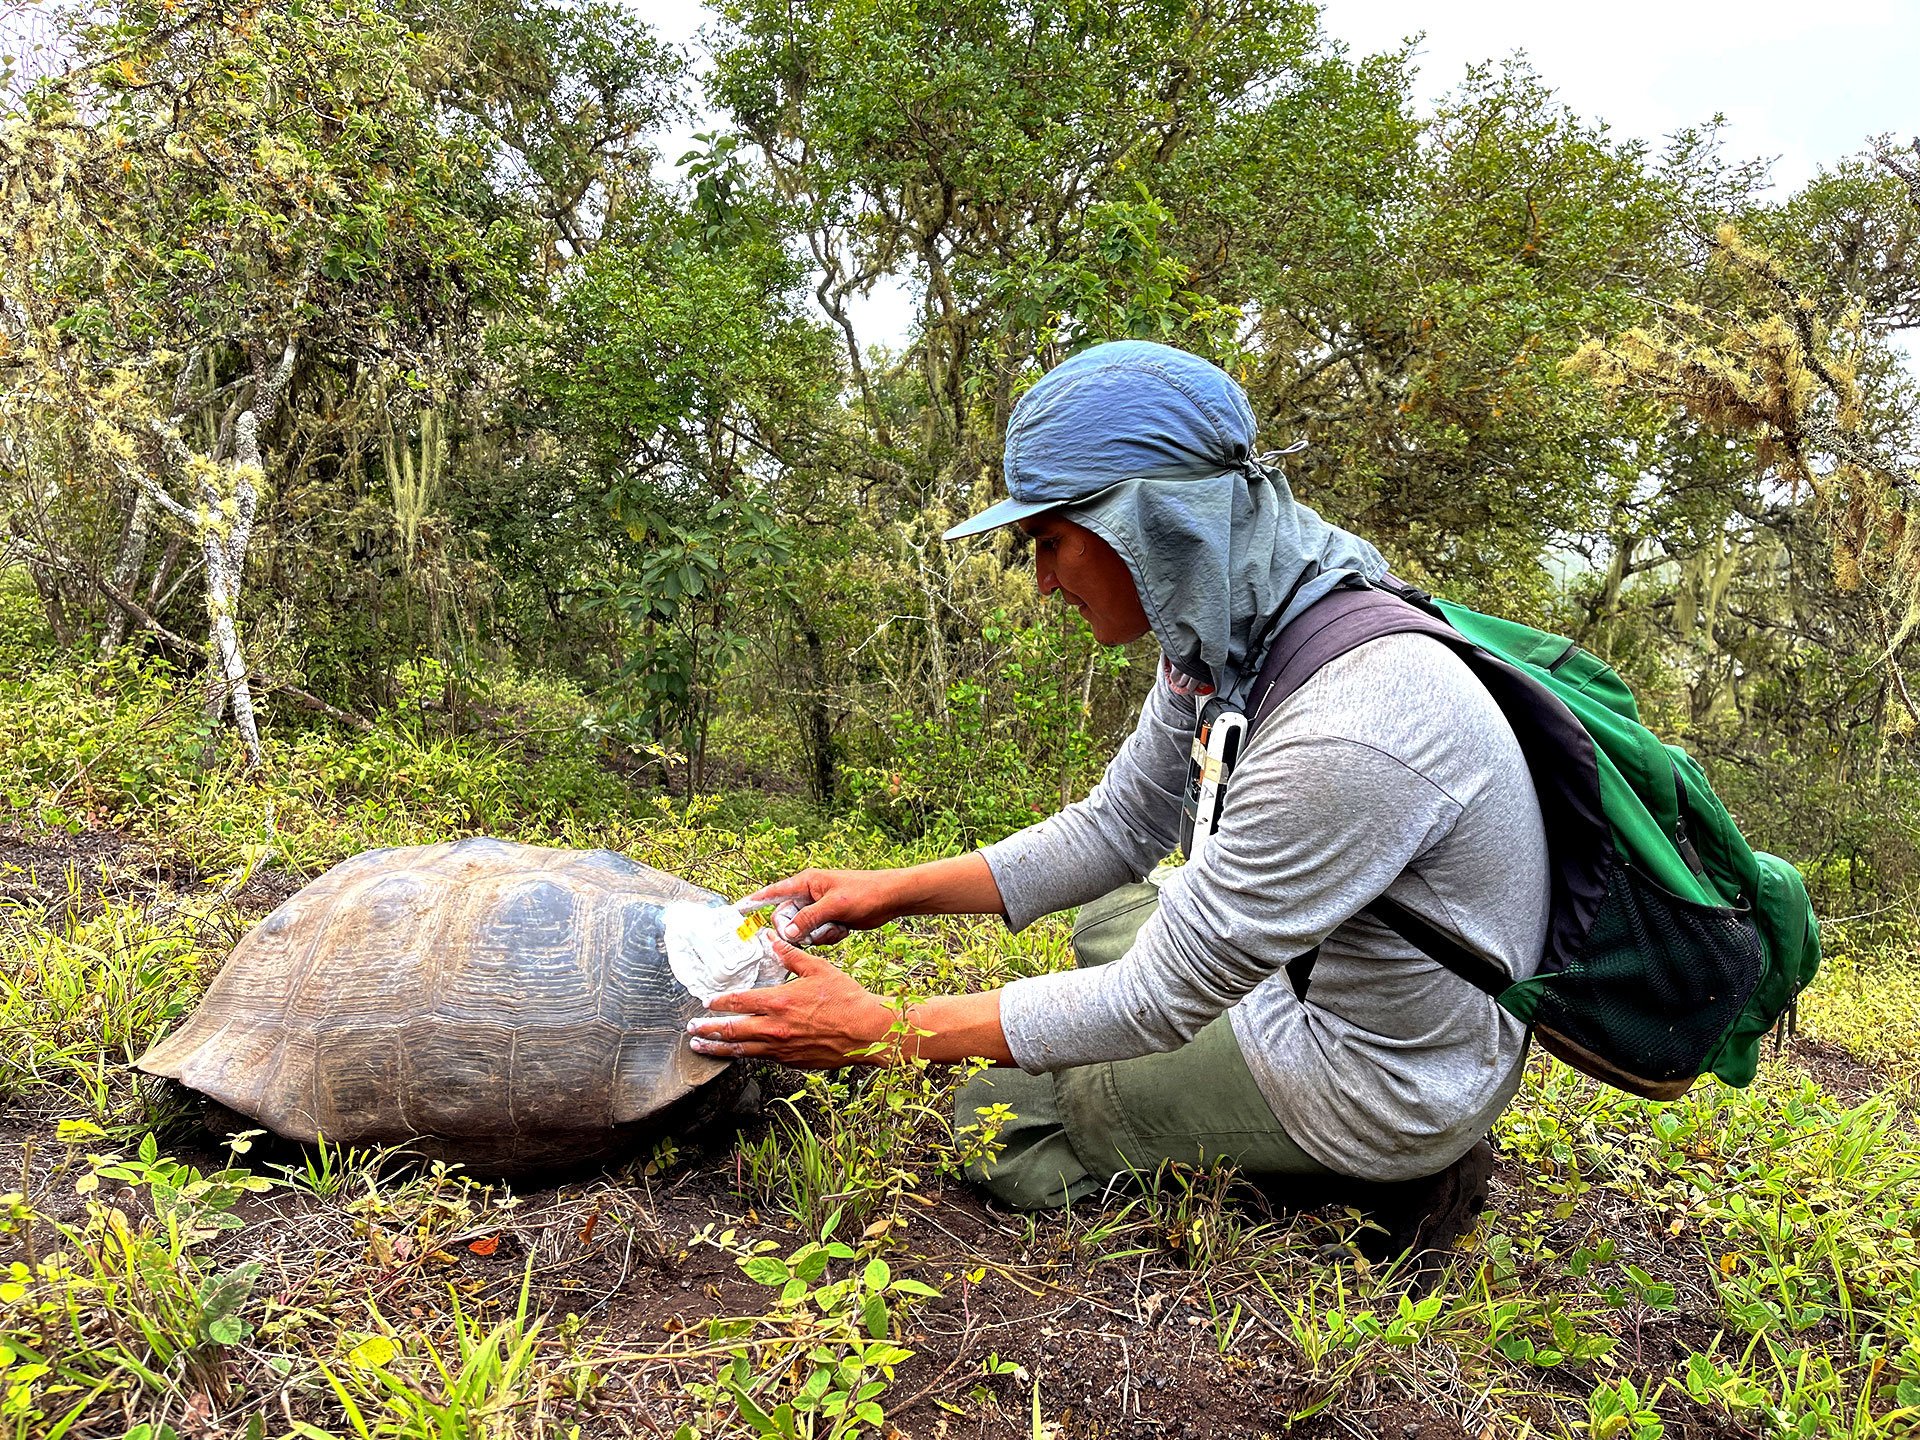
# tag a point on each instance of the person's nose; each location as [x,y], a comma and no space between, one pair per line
[1043,575]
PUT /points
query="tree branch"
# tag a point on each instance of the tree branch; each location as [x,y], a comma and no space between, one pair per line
[138,612]
[1908,172]
[1893,666]
[266,400]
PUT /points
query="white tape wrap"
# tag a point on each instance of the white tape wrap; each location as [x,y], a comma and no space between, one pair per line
[708,954]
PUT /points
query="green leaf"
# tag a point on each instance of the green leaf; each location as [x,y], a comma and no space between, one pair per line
[876,1275]
[816,1387]
[750,1411]
[914,1287]
[873,1315]
[766,1270]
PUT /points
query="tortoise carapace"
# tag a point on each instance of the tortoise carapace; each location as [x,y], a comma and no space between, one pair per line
[500,1005]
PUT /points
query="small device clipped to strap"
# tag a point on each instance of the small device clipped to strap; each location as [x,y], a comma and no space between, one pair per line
[1217,738]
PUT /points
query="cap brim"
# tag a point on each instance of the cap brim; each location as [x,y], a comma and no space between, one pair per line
[994,516]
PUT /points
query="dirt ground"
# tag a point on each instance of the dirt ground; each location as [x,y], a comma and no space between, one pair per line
[1117,1349]
[44,873]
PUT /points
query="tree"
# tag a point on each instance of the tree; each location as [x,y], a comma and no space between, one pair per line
[568,97]
[688,396]
[1004,157]
[1790,353]
[209,203]
[1413,288]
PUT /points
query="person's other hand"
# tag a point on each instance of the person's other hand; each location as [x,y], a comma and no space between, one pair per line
[831,902]
[818,1020]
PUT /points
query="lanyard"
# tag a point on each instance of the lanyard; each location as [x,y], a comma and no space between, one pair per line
[1219,733]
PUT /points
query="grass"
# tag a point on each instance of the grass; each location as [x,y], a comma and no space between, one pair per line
[1732,1262]
[1868,1002]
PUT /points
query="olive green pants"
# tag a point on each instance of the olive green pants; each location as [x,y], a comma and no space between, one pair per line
[1073,1131]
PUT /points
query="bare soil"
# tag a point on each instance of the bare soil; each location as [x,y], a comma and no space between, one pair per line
[43,872]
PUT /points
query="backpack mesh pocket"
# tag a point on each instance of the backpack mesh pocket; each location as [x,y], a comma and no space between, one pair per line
[1659,981]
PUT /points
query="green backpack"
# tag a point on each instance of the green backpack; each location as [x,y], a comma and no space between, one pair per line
[1672,947]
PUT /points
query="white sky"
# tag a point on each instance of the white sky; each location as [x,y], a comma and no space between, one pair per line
[1801,84]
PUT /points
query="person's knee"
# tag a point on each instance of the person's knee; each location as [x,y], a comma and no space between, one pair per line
[1045,1176]
[1011,1143]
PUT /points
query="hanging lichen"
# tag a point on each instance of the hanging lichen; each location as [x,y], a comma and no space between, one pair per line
[1769,368]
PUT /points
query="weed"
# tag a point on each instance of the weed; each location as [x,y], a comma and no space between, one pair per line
[842,1146]
[327,1171]
[1197,1214]
[827,1349]
[404,1388]
[426,1210]
[120,1300]
[79,1002]
[1616,1412]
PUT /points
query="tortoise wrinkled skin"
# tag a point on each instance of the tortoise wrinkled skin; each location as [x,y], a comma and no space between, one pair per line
[504,1006]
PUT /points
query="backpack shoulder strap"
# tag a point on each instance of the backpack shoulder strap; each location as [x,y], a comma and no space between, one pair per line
[1341,621]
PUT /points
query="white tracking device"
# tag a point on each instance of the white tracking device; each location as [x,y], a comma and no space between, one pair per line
[1216,748]
[1223,749]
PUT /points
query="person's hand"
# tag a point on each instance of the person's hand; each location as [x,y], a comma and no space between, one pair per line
[817,1021]
[831,902]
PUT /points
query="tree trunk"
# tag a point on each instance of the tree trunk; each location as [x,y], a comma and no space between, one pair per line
[157,592]
[126,569]
[227,677]
[1623,548]
[936,638]
[224,537]
[817,722]
[1706,580]
[54,604]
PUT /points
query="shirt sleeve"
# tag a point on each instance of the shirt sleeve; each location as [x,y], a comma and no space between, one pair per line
[1127,824]
[1315,827]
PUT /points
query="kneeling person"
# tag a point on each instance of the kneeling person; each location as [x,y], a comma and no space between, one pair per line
[1179,1036]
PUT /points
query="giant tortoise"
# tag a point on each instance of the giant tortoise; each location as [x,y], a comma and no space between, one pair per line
[504,1006]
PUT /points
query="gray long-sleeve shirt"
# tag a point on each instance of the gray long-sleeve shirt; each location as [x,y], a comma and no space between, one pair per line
[1390,771]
